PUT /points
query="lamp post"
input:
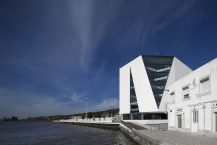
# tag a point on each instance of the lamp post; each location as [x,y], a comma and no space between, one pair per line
[86,106]
[111,112]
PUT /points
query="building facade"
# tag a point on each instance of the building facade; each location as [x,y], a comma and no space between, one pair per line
[192,100]
[143,86]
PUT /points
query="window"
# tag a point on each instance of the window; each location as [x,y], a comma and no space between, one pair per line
[186,92]
[172,93]
[195,116]
[126,116]
[158,69]
[154,116]
[205,85]
[136,116]
[133,100]
[160,78]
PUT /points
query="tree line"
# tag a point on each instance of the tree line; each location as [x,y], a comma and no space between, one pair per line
[12,118]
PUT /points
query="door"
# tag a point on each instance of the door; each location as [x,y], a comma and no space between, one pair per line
[216,122]
[194,121]
[179,117]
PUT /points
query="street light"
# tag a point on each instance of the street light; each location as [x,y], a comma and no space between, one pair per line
[86,106]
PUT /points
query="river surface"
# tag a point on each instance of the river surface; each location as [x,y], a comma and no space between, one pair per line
[47,133]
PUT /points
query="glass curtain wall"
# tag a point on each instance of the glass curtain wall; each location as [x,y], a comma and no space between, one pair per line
[158,68]
[134,109]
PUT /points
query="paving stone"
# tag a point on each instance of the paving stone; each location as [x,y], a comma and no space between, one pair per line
[179,138]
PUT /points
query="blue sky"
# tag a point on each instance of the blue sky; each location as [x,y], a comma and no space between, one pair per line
[53,53]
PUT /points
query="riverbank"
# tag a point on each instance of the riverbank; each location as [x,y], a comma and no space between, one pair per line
[146,136]
[114,126]
[128,131]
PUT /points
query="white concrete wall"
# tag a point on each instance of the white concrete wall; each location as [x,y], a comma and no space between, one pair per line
[178,70]
[124,92]
[145,98]
[197,99]
[181,70]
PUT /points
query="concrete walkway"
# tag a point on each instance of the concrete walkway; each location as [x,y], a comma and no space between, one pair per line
[177,138]
[132,125]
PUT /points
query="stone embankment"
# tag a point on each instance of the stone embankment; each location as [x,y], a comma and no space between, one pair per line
[99,125]
[128,128]
[155,134]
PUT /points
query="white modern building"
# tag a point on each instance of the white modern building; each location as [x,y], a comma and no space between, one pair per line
[143,86]
[192,100]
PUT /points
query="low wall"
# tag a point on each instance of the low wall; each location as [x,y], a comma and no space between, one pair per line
[137,137]
[133,134]
[98,125]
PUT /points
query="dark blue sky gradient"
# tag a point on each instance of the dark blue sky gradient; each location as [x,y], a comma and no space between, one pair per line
[54,53]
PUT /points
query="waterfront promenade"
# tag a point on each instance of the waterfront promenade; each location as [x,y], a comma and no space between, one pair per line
[142,134]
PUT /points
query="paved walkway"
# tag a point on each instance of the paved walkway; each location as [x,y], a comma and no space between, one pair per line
[178,138]
[132,125]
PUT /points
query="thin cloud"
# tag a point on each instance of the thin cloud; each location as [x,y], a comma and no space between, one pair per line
[75,97]
[107,104]
[158,18]
[62,55]
[33,105]
[90,19]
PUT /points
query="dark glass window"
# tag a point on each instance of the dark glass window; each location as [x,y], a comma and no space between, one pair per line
[146,116]
[154,116]
[126,116]
[158,68]
[136,116]
[133,100]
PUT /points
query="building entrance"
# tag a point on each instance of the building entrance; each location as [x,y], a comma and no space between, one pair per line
[215,121]
[194,120]
[179,117]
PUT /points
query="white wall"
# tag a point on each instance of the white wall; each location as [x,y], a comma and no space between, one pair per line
[181,70]
[206,70]
[124,92]
[145,98]
[197,100]
[177,71]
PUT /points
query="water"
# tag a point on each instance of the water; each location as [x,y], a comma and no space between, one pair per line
[45,133]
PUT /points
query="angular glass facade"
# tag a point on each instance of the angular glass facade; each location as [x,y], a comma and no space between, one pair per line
[133,101]
[134,109]
[158,68]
